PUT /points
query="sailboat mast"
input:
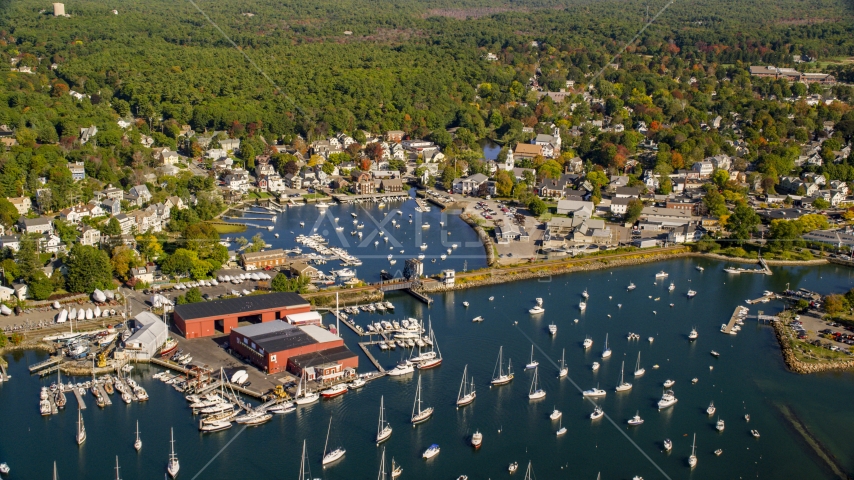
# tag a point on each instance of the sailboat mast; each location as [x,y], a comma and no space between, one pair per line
[117,468]
[337,318]
[328,431]
[302,462]
[381,476]
[380,424]
[462,384]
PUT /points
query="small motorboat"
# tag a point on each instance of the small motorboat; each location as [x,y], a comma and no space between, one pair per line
[755,433]
[718,452]
[431,452]
[668,445]
[597,413]
[513,467]
[715,354]
[636,420]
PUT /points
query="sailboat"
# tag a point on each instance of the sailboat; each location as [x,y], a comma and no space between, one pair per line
[623,386]
[117,468]
[533,363]
[692,460]
[303,397]
[383,428]
[329,457]
[638,370]
[607,351]
[81,429]
[137,445]
[536,393]
[502,378]
[529,473]
[304,473]
[464,398]
[396,470]
[563,370]
[381,475]
[561,430]
[437,358]
[420,415]
[173,466]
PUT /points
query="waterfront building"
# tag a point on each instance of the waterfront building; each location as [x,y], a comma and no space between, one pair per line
[207,319]
[276,346]
[267,258]
[149,335]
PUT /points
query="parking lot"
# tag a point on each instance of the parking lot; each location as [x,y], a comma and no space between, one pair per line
[810,327]
[495,213]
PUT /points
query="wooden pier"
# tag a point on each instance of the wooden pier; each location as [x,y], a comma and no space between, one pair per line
[762,299]
[365,348]
[732,320]
[103,393]
[80,401]
[419,296]
[45,363]
[50,370]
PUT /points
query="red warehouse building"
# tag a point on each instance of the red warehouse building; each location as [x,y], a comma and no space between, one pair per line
[206,319]
[273,346]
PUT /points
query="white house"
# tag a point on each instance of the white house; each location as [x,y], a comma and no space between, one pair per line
[619,205]
[705,169]
[469,185]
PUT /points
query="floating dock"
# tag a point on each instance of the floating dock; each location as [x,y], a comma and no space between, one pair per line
[364,346]
[419,296]
[80,401]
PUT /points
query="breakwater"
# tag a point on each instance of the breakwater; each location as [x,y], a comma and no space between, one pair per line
[543,270]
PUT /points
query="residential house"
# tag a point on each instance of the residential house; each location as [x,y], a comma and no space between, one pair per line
[550,145]
[236,182]
[51,243]
[126,223]
[175,202]
[793,185]
[77,213]
[838,185]
[110,192]
[575,165]
[627,192]
[555,188]
[721,162]
[666,217]
[230,144]
[684,234]
[111,207]
[22,204]
[12,242]
[578,209]
[704,169]
[592,232]
[145,220]
[78,170]
[619,205]
[392,185]
[618,181]
[88,133]
[293,181]
[519,173]
[165,156]
[469,185]
[361,182]
[138,195]
[90,236]
[144,273]
[394,135]
[274,183]
[35,225]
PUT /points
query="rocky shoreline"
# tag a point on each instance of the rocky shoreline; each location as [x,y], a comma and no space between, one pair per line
[484,238]
[801,367]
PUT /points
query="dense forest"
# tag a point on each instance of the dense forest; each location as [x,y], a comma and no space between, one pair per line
[405,64]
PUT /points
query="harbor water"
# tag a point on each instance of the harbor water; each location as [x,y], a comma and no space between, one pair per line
[748,378]
[372,249]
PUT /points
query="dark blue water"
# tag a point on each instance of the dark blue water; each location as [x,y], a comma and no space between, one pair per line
[749,377]
[408,238]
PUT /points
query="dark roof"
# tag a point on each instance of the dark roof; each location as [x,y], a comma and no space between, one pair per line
[231,306]
[324,356]
[276,336]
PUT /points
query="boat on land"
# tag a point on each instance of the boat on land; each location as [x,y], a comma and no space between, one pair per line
[502,378]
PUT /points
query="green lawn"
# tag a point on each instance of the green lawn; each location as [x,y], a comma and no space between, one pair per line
[259,195]
[223,227]
[312,196]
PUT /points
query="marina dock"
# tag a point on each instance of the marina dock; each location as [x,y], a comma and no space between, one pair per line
[80,401]
[103,392]
[420,296]
[365,348]
[45,363]
[762,299]
[733,319]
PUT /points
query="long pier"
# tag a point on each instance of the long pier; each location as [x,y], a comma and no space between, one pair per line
[419,296]
[103,393]
[733,319]
[364,346]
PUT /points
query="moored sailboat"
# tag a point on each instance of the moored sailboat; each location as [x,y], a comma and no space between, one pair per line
[383,428]
[502,378]
[420,415]
[465,397]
